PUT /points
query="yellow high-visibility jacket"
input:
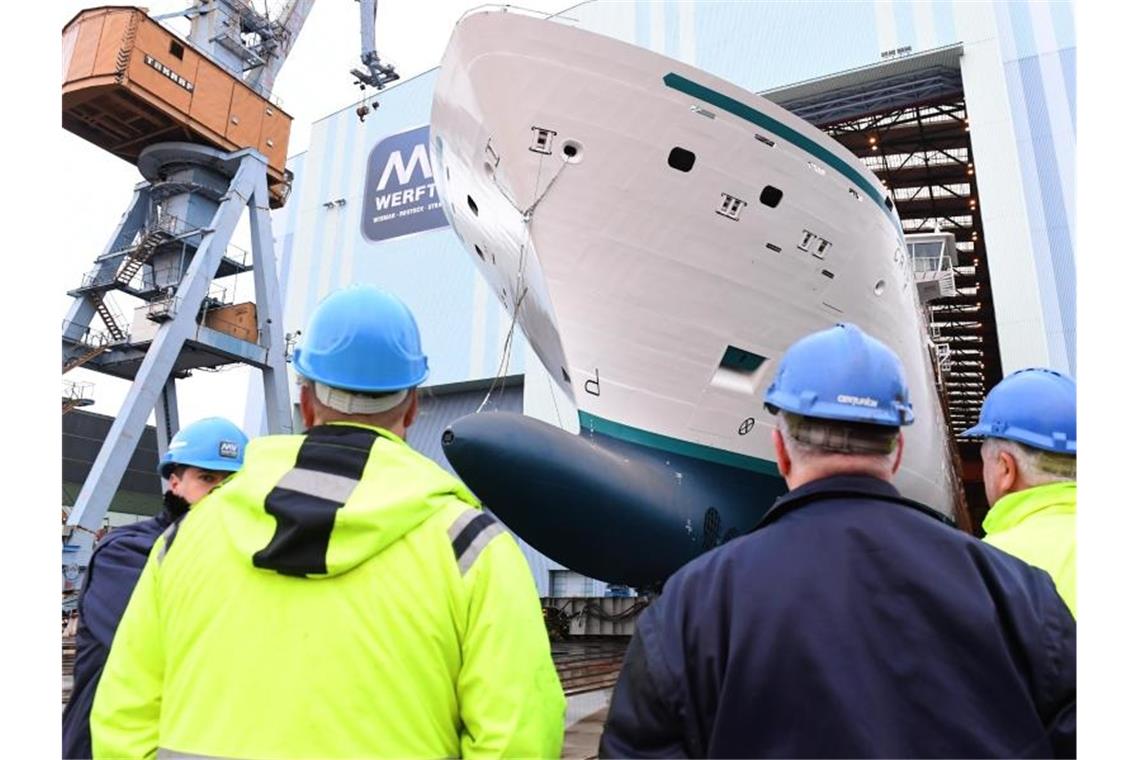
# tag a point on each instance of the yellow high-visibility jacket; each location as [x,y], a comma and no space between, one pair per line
[1039,526]
[341,596]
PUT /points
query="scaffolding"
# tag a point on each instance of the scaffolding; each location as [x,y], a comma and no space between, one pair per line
[913,131]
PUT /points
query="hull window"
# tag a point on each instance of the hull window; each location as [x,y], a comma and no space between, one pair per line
[471,205]
[740,371]
[765,140]
[740,360]
[771,196]
[479,251]
[773,247]
[682,160]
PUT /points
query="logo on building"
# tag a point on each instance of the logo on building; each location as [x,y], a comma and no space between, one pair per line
[399,191]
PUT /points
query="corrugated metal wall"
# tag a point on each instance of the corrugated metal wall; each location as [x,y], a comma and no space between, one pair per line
[83,435]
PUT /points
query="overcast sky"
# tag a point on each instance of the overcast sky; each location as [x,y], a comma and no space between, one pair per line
[313,83]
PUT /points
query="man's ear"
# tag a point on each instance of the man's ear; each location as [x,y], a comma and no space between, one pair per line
[783,461]
[413,409]
[308,409]
[1007,473]
[898,455]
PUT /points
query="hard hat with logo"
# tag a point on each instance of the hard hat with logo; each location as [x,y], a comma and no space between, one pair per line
[841,373]
[213,443]
[361,340]
[1036,407]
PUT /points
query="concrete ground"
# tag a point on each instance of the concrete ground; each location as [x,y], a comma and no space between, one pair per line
[585,716]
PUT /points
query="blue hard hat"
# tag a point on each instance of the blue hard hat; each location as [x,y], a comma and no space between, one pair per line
[1037,407]
[841,373]
[214,443]
[362,339]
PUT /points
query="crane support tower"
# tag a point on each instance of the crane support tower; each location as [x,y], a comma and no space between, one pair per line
[196,117]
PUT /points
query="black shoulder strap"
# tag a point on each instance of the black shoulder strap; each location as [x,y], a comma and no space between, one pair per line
[328,468]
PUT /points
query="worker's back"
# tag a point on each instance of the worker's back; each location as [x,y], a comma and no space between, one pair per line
[402,623]
[850,626]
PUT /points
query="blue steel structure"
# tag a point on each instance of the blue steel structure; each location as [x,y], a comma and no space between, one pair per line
[194,196]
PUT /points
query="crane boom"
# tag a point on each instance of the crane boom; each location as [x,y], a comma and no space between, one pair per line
[376,73]
[287,26]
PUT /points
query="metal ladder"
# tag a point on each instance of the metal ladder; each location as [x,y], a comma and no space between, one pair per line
[139,255]
[109,315]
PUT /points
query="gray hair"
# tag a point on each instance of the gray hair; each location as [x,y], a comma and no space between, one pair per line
[1037,466]
[812,436]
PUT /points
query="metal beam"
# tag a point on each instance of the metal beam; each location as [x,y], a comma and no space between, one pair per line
[166,419]
[271,332]
[150,381]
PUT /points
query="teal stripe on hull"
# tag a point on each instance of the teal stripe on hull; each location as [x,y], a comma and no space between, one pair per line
[763,120]
[675,445]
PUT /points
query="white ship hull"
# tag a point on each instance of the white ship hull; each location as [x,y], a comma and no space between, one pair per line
[644,289]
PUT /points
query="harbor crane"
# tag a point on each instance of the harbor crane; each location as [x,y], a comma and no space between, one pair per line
[198,118]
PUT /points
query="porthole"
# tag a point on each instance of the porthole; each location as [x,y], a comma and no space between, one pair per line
[771,196]
[682,160]
[571,151]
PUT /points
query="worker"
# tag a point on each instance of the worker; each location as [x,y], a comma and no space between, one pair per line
[199,458]
[852,622]
[341,597]
[1029,463]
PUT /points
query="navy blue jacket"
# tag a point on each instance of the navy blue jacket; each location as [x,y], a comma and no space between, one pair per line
[850,625]
[114,570]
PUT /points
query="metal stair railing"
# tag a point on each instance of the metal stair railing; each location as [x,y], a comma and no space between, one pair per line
[96,343]
[163,229]
[76,394]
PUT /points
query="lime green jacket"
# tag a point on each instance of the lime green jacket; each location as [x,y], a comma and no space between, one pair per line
[1039,526]
[341,596]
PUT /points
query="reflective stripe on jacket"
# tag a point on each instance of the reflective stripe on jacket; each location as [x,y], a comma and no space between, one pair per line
[341,596]
[1039,526]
